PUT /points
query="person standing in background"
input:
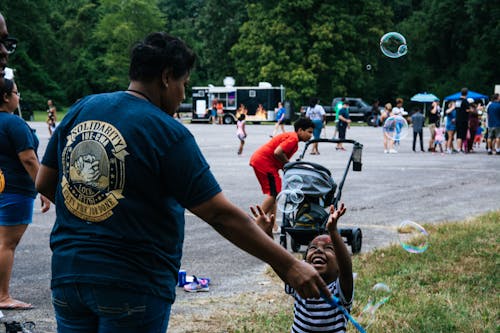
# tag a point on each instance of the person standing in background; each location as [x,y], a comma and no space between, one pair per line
[317,114]
[462,119]
[433,123]
[19,167]
[344,124]
[493,120]
[451,115]
[417,121]
[51,116]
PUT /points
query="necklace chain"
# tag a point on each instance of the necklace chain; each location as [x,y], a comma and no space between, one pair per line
[140,93]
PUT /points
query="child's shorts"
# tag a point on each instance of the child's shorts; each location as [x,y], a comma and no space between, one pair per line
[15,209]
[270,182]
[477,138]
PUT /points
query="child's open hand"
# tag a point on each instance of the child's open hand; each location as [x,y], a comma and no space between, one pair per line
[335,214]
[265,222]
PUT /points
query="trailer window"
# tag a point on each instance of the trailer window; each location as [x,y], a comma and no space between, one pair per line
[231,99]
[252,93]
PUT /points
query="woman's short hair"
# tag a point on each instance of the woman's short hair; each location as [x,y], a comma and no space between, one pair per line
[157,52]
[6,87]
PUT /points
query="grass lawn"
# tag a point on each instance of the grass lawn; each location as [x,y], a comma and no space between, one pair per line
[451,287]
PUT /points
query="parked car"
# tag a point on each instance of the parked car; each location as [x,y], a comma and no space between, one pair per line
[359,110]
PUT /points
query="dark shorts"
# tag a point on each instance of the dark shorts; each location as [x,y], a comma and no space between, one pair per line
[462,128]
[342,130]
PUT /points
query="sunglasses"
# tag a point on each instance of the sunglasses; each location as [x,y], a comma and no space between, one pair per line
[9,43]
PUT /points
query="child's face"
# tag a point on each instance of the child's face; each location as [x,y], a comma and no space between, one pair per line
[321,255]
[305,135]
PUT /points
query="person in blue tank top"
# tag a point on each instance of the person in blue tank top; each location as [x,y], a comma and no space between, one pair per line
[122,172]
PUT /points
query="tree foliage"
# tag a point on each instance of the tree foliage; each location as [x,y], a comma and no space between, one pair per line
[71,48]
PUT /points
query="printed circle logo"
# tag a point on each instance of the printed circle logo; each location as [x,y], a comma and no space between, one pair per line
[93,170]
[2,181]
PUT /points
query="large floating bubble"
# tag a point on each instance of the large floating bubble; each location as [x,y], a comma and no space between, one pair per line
[393,45]
[295,182]
[396,128]
[413,237]
[379,296]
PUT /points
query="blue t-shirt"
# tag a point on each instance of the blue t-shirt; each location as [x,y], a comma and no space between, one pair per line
[16,136]
[494,115]
[281,112]
[126,172]
[344,112]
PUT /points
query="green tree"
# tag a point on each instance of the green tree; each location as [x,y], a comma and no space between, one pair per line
[122,24]
[312,47]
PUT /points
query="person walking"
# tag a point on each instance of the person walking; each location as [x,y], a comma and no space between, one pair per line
[417,120]
[280,119]
[241,132]
[122,172]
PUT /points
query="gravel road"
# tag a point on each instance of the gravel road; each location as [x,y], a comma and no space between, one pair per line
[423,187]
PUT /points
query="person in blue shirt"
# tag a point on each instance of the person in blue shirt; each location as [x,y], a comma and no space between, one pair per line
[344,123]
[18,168]
[280,119]
[122,172]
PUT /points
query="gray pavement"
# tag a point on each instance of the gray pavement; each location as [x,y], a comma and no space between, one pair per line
[423,187]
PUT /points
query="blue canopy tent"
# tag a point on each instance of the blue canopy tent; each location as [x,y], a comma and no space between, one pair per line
[424,98]
[472,94]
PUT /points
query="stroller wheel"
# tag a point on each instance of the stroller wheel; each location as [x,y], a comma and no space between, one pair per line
[295,247]
[357,239]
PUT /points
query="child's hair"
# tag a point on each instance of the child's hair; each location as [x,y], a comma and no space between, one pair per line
[325,238]
[241,117]
[6,87]
[303,123]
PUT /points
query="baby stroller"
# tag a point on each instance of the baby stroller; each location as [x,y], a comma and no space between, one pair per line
[307,190]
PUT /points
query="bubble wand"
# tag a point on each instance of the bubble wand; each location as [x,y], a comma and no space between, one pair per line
[335,302]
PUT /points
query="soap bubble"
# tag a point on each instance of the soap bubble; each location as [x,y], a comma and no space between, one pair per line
[413,237]
[396,128]
[297,196]
[379,296]
[368,67]
[285,203]
[294,182]
[393,45]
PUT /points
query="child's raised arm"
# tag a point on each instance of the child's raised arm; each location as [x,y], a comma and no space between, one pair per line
[341,251]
